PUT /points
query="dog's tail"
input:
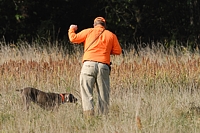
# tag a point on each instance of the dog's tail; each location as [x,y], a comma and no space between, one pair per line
[20,90]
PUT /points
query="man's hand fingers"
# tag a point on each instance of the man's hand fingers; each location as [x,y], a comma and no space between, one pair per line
[73,27]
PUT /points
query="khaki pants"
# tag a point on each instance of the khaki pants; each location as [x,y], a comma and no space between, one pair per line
[91,73]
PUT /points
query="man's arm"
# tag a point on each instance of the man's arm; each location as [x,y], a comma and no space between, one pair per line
[116,50]
[76,38]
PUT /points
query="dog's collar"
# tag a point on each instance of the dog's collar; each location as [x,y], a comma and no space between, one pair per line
[63,98]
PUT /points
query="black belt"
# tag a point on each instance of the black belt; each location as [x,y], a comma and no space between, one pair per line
[98,62]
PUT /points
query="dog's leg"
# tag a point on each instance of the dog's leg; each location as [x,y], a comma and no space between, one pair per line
[55,108]
[26,101]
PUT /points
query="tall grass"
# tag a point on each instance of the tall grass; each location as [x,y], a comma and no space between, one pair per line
[155,91]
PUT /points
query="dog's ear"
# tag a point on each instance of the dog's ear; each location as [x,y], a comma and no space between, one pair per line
[72,99]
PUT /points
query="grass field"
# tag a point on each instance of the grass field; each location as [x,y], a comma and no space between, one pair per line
[155,92]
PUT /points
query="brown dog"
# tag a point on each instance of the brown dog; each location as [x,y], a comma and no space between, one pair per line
[48,101]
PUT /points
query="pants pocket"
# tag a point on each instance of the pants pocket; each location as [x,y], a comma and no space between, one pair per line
[88,68]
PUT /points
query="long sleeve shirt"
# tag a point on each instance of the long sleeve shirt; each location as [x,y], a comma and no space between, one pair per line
[105,45]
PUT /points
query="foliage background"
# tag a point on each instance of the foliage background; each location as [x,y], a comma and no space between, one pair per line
[134,21]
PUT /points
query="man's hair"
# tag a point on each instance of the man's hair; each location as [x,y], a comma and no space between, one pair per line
[99,22]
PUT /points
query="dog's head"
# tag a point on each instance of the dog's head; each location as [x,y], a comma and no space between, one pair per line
[70,98]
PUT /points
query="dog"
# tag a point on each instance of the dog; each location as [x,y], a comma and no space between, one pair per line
[47,101]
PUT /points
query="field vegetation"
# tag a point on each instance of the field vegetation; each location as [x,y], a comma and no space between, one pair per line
[154,91]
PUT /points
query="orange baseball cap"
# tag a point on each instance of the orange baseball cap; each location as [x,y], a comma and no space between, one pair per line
[100,18]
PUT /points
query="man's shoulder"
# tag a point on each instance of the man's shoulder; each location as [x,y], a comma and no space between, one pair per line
[87,30]
[109,32]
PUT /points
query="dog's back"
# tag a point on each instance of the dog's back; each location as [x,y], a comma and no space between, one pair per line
[30,93]
[46,100]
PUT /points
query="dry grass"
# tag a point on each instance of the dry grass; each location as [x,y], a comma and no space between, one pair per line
[154,92]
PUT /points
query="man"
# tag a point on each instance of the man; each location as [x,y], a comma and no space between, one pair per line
[99,44]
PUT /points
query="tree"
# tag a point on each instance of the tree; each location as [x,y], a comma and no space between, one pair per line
[134,21]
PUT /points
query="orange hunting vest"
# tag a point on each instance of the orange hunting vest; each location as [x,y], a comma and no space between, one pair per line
[100,51]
